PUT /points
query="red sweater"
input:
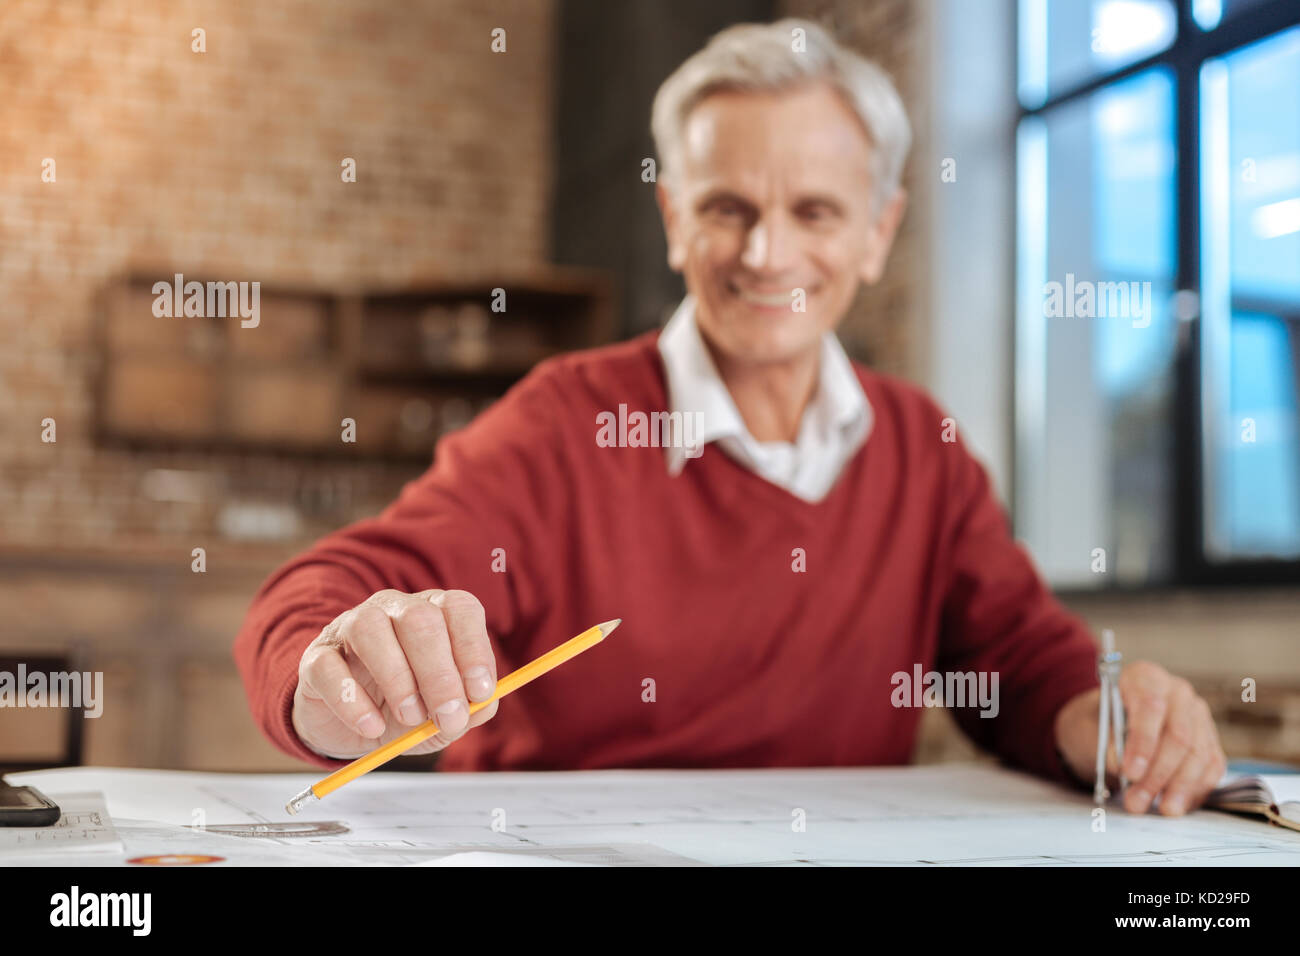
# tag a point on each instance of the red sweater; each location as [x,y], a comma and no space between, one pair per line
[754,664]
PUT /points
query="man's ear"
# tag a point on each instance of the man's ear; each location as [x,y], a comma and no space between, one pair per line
[676,254]
[882,237]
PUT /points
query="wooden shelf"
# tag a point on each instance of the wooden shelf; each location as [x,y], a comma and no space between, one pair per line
[433,374]
[402,362]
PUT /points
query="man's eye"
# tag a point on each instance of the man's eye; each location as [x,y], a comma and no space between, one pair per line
[816,213]
[727,209]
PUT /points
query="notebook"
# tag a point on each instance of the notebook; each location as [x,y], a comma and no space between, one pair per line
[1275,796]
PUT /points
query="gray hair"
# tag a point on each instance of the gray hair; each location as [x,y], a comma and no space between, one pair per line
[761,57]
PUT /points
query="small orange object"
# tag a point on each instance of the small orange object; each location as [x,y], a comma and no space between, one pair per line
[175,859]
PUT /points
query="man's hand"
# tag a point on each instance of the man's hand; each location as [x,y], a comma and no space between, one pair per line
[391,663]
[1172,750]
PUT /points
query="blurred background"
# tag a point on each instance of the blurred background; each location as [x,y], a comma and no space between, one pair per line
[154,470]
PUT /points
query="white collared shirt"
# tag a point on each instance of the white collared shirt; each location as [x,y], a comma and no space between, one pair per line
[834,426]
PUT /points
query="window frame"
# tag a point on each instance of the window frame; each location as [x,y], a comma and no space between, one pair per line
[1191,48]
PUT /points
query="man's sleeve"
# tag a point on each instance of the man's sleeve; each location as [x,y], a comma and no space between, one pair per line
[495,484]
[1000,618]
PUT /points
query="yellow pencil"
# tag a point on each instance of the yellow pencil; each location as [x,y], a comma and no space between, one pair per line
[511,682]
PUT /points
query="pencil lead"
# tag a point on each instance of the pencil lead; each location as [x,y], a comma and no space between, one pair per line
[607,628]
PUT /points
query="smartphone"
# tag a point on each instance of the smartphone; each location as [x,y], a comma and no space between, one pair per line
[26,807]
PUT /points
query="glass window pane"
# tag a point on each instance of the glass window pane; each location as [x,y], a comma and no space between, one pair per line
[1095,335]
[1250,292]
[1067,42]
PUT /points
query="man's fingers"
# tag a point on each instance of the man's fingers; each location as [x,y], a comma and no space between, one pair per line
[1145,691]
[324,675]
[418,654]
[423,637]
[1177,738]
[423,633]
[1201,771]
[441,739]
[484,715]
[467,627]
[1184,789]
[371,637]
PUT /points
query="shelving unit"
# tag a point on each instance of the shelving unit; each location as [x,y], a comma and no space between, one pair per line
[406,364]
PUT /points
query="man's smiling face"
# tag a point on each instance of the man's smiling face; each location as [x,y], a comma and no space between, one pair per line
[772,193]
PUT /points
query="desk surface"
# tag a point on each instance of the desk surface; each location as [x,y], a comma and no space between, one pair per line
[937,815]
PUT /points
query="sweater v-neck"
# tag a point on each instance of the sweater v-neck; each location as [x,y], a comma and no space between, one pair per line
[782,498]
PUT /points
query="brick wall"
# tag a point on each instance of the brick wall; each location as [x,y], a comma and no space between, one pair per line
[226,164]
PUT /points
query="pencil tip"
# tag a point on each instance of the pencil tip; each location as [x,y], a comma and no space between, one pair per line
[607,628]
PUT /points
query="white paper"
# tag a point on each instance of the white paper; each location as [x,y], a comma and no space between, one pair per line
[495,859]
[939,815]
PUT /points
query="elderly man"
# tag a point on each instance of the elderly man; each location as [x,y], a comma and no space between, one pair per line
[824,537]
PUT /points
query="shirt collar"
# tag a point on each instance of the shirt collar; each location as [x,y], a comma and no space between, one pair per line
[694,385]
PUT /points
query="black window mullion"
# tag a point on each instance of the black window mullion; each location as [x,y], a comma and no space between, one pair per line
[1191,46]
[1189,563]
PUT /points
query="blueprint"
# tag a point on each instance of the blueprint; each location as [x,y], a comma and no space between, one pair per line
[936,815]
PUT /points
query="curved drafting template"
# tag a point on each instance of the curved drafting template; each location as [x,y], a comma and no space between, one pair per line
[305,828]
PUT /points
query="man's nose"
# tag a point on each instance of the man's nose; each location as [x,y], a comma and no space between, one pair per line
[768,246]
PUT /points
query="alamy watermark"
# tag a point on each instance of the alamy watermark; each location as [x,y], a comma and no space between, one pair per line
[83,691]
[650,430]
[952,689]
[215,299]
[1098,300]
[130,910]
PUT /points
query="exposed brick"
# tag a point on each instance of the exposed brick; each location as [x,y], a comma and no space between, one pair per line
[225,166]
